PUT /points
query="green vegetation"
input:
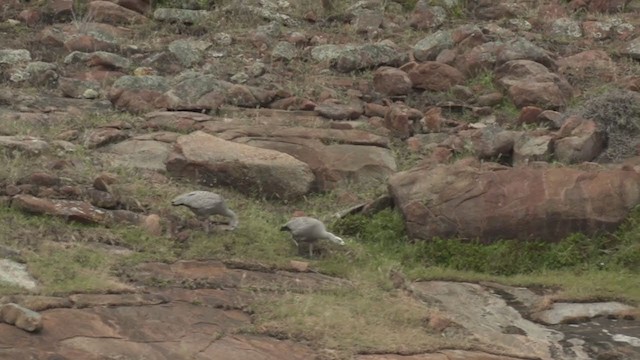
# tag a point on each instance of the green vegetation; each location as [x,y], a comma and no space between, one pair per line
[600,267]
[367,319]
[483,82]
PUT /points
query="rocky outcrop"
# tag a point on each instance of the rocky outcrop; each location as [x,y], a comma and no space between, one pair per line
[72,210]
[493,202]
[214,161]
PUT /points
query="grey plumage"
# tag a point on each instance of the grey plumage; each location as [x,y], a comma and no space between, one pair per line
[308,230]
[204,204]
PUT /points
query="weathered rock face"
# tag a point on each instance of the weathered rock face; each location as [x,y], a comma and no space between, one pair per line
[487,318]
[142,152]
[581,140]
[334,164]
[531,83]
[212,160]
[513,203]
[149,331]
[435,76]
[73,210]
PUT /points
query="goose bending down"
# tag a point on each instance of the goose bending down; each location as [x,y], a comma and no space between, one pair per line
[205,204]
[308,230]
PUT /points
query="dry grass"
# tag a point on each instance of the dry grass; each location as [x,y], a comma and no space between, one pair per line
[367,320]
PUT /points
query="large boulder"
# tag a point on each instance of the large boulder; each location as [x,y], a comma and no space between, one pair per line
[529,83]
[334,164]
[215,161]
[335,156]
[492,202]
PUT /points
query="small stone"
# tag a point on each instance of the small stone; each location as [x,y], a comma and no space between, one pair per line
[152,225]
[21,317]
[301,266]
[102,181]
[90,94]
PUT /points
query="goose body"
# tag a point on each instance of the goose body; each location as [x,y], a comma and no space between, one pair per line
[205,204]
[308,230]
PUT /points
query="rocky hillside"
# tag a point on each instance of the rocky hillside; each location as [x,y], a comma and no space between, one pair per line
[480,158]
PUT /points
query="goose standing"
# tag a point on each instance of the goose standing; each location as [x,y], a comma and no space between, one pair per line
[308,230]
[205,204]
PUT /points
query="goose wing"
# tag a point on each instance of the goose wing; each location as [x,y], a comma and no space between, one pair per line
[199,200]
[304,226]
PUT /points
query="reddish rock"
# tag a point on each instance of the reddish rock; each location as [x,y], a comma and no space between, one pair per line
[335,164]
[491,99]
[551,118]
[50,36]
[372,109]
[214,161]
[293,103]
[596,30]
[391,81]
[140,6]
[103,181]
[487,143]
[529,83]
[135,100]
[435,76]
[441,155]
[101,199]
[183,121]
[465,32]
[480,58]
[112,13]
[40,179]
[589,64]
[584,142]
[432,120]
[30,17]
[447,56]
[398,122]
[59,9]
[301,266]
[529,115]
[607,6]
[103,136]
[491,10]
[88,43]
[151,224]
[70,210]
[335,111]
[463,200]
[631,83]
[104,76]
[426,17]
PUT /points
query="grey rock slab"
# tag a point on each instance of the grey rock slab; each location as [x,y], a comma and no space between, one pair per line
[570,312]
[180,15]
[16,274]
[633,49]
[139,154]
[32,146]
[11,56]
[487,316]
[189,52]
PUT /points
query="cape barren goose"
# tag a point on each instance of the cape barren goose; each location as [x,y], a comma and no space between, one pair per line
[204,204]
[308,230]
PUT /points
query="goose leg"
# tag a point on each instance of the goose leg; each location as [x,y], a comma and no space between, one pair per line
[310,250]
